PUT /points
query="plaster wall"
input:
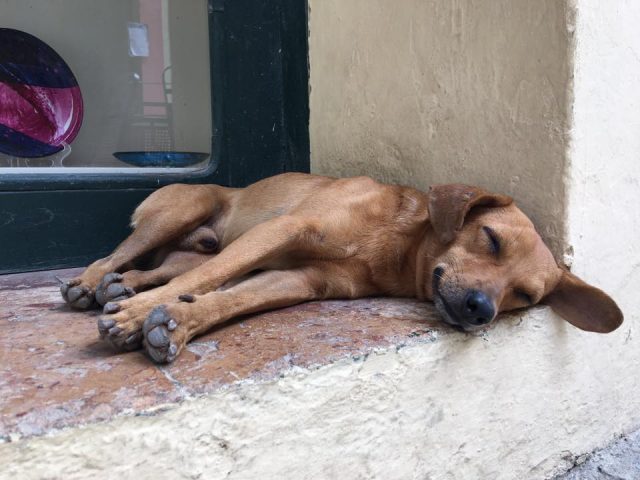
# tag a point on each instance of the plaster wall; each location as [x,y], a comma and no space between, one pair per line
[438,91]
[604,176]
[516,403]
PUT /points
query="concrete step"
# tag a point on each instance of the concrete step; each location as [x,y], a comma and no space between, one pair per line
[372,388]
[56,373]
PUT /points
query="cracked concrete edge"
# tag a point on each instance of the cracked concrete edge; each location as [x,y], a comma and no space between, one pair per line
[619,460]
[186,395]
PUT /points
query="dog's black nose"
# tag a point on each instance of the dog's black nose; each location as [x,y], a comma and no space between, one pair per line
[478,308]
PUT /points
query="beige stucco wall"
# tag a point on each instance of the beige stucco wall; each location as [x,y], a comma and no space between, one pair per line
[435,91]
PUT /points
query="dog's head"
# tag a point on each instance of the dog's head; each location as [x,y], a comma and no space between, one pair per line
[488,258]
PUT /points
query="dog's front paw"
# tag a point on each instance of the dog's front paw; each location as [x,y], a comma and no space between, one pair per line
[168,328]
[77,294]
[121,324]
[159,340]
[112,289]
[120,336]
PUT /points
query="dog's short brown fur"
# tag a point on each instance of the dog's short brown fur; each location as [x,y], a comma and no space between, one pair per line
[202,254]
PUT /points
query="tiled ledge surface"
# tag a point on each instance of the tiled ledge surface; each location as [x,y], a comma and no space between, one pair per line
[56,373]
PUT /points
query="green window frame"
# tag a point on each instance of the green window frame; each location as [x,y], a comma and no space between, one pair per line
[259,84]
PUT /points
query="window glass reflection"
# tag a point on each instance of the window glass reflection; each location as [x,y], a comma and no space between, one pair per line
[142,67]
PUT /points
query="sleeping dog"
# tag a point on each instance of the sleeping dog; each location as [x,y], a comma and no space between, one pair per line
[200,255]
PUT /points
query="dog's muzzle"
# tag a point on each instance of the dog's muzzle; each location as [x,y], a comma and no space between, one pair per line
[470,310]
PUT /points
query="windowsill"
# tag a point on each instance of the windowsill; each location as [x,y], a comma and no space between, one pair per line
[102,170]
[58,374]
[322,390]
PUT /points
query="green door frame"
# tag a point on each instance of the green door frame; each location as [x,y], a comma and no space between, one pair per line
[259,85]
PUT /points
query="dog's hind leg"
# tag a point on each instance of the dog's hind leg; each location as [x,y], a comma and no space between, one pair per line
[260,247]
[165,215]
[118,286]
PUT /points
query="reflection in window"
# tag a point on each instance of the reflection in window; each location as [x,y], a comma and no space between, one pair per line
[143,70]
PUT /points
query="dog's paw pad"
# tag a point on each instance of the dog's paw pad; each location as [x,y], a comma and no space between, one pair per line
[104,325]
[117,337]
[65,286]
[76,295]
[157,330]
[111,307]
[111,289]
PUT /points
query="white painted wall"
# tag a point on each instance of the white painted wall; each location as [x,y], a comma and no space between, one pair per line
[604,173]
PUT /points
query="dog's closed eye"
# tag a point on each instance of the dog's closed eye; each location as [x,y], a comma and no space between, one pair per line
[494,241]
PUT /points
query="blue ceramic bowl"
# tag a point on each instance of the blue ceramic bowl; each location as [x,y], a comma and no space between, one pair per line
[161,159]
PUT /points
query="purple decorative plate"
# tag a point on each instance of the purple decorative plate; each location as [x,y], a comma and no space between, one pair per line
[40,100]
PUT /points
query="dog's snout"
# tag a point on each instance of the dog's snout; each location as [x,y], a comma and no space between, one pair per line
[478,308]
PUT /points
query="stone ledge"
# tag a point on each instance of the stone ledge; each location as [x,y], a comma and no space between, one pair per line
[55,373]
[366,389]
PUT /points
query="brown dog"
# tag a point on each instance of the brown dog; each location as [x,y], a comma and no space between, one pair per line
[202,254]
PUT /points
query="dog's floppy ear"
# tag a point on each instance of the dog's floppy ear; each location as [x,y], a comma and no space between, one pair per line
[583,305]
[449,205]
